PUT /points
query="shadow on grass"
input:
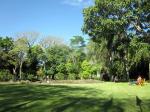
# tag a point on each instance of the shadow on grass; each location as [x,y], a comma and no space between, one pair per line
[58,98]
[139,103]
[88,105]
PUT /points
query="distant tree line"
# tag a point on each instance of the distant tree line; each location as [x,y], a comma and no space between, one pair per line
[118,46]
[23,58]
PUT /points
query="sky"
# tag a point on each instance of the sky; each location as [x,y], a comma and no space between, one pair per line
[58,18]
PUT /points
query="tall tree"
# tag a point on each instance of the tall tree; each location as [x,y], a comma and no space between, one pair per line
[112,20]
[20,53]
[77,55]
[46,43]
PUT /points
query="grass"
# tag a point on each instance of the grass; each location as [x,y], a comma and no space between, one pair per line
[95,97]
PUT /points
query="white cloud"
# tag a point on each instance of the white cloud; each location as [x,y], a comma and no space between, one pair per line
[78,2]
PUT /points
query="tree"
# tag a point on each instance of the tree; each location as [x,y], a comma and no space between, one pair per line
[56,58]
[78,53]
[139,52]
[49,41]
[77,42]
[33,61]
[6,44]
[72,70]
[113,20]
[97,53]
[19,53]
[46,43]
[31,37]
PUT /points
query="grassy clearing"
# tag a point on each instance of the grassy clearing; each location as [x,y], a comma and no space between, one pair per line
[95,97]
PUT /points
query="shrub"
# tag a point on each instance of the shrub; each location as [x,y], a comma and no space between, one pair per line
[72,76]
[31,77]
[40,73]
[86,69]
[5,75]
[24,82]
[60,76]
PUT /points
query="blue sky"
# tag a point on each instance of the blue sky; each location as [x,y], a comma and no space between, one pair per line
[59,18]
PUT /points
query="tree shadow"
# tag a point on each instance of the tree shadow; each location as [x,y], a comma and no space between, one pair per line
[139,103]
[111,106]
[88,105]
[58,98]
[20,97]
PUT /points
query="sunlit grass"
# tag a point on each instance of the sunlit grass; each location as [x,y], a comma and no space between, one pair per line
[95,97]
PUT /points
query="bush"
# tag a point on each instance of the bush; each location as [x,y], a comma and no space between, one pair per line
[72,76]
[86,69]
[5,75]
[31,77]
[24,82]
[85,75]
[60,76]
[40,73]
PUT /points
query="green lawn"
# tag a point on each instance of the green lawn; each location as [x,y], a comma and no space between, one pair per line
[97,97]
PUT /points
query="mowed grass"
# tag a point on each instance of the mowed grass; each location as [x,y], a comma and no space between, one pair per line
[97,97]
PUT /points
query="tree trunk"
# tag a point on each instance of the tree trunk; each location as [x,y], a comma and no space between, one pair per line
[127,72]
[126,65]
[47,78]
[14,72]
[44,66]
[99,75]
[20,70]
[53,77]
[112,78]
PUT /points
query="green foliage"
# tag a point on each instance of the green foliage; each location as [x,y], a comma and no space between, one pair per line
[119,40]
[111,24]
[72,76]
[19,53]
[86,69]
[118,68]
[95,68]
[76,56]
[5,75]
[139,50]
[69,67]
[56,59]
[113,16]
[97,53]
[60,76]
[72,71]
[40,72]
[31,77]
[61,68]
[77,42]
[6,44]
